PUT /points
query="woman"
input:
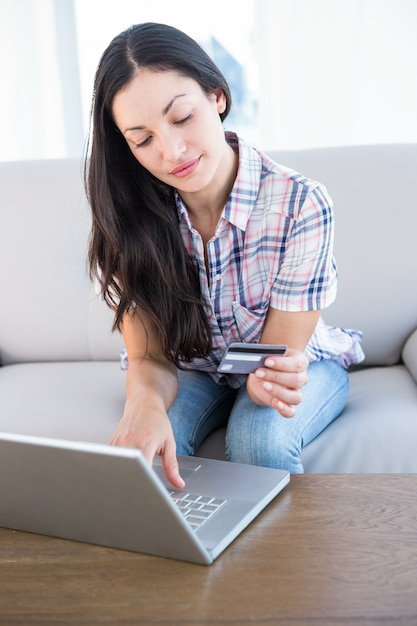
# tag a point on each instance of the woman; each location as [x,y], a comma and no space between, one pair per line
[197,241]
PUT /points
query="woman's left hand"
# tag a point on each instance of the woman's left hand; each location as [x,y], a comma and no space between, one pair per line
[279,382]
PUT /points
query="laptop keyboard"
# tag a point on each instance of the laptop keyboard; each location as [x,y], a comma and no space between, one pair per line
[196,509]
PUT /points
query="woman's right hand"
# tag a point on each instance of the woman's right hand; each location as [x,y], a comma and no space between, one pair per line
[147,427]
[151,388]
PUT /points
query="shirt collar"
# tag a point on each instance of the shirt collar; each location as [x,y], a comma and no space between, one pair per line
[245,189]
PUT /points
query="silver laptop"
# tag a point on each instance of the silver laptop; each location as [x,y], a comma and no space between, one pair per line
[110,496]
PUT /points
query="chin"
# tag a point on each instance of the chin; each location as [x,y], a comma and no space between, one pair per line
[188,185]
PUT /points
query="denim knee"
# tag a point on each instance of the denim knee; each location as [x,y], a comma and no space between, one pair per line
[261,436]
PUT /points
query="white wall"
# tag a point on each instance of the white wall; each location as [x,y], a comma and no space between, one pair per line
[336,72]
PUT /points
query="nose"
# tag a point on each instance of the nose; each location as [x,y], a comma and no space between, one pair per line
[172,146]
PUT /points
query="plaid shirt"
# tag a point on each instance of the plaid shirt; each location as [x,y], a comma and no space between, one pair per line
[273,246]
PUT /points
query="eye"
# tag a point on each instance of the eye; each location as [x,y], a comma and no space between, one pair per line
[184,120]
[144,143]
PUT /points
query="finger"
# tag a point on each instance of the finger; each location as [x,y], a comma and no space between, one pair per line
[293,361]
[286,410]
[288,379]
[118,441]
[170,465]
[284,380]
[279,392]
[278,397]
[286,407]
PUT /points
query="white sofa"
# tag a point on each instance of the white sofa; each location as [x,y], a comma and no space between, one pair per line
[60,374]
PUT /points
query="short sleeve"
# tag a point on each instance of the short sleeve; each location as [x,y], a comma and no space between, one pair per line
[307,276]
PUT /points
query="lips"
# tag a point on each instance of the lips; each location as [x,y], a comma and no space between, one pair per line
[186,168]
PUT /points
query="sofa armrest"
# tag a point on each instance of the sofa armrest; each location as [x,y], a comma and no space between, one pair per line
[409,354]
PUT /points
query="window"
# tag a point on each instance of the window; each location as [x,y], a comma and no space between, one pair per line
[304,73]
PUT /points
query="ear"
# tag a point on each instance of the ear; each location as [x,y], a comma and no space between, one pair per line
[220,100]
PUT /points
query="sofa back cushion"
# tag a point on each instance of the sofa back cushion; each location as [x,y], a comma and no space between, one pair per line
[48,309]
[375,207]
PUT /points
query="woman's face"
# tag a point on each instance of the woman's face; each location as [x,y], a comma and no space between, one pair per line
[173,128]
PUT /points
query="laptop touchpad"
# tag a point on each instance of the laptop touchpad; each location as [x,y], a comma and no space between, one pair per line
[187,465]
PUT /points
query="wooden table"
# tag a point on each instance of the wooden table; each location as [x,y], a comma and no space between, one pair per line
[330,550]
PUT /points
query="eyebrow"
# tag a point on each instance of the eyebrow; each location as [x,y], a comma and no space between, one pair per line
[165,110]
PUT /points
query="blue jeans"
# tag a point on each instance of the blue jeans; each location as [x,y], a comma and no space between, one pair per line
[257,435]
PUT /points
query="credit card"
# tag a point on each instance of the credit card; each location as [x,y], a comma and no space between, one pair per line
[244,358]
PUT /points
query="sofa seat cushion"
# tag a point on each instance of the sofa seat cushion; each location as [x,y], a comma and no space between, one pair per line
[377,431]
[69,400]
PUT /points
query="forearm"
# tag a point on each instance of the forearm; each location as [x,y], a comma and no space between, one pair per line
[293,329]
[150,376]
[152,382]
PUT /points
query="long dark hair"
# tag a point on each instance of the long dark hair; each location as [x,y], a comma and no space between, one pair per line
[136,250]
